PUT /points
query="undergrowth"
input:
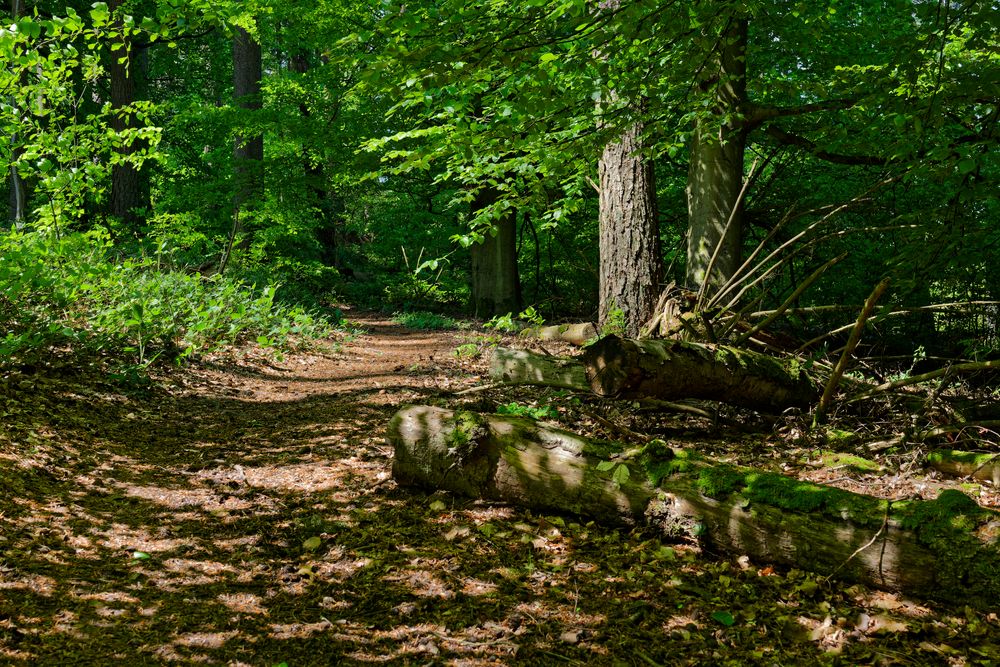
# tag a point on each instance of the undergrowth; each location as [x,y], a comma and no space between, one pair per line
[427,321]
[75,293]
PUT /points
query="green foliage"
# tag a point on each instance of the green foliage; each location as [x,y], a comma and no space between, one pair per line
[615,324]
[503,323]
[508,324]
[531,411]
[620,473]
[427,321]
[71,293]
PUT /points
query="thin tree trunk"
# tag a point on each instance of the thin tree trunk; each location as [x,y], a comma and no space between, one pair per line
[715,176]
[248,153]
[496,284]
[326,231]
[631,265]
[126,181]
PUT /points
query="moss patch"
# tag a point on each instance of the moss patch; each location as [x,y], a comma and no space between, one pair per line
[842,460]
[977,459]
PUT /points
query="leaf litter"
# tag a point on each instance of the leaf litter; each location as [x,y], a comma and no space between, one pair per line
[242,512]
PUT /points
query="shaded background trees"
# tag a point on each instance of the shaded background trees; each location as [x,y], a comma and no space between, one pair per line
[440,155]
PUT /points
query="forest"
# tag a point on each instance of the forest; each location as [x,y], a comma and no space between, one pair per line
[526,331]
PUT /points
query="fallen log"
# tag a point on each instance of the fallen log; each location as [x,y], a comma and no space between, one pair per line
[672,369]
[523,367]
[945,548]
[980,466]
[575,334]
[739,377]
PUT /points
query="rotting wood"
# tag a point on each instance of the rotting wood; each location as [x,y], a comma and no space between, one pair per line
[927,548]
[669,369]
[580,333]
[982,466]
[662,369]
[523,367]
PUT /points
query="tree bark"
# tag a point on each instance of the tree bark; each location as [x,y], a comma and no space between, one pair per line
[129,194]
[670,369]
[575,334]
[984,467]
[496,283]
[945,548]
[629,236]
[523,367]
[248,153]
[715,175]
[665,370]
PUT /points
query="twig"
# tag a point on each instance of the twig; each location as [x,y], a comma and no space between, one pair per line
[852,343]
[677,407]
[478,388]
[607,423]
[916,379]
[790,300]
[885,524]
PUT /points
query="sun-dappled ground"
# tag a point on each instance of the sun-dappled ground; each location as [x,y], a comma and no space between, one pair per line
[243,512]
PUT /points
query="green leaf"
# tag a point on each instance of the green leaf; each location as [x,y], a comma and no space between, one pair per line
[312,544]
[723,617]
[605,466]
[99,13]
[140,555]
[621,474]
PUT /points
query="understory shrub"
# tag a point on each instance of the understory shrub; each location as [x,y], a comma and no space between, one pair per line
[72,292]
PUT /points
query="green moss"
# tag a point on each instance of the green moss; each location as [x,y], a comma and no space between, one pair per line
[976,459]
[839,459]
[719,481]
[656,459]
[786,493]
[836,437]
[467,427]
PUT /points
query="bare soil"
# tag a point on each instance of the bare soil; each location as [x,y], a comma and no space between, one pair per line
[242,512]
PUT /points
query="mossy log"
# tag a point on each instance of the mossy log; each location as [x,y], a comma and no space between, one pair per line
[980,466]
[523,367]
[574,334]
[945,548]
[671,369]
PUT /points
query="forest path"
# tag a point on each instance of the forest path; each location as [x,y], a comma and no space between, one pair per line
[243,513]
[223,517]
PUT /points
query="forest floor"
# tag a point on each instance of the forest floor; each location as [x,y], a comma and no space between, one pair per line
[242,512]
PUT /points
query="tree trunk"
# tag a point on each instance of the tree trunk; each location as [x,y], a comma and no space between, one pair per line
[523,367]
[248,154]
[315,179]
[715,175]
[982,466]
[126,186]
[496,284]
[631,263]
[665,370]
[574,334]
[945,548]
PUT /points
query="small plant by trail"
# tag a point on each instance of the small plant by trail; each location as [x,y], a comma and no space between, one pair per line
[534,412]
[427,321]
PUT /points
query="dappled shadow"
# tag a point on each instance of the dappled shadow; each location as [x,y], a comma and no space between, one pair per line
[189,525]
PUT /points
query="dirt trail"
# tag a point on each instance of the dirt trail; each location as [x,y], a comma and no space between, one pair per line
[175,525]
[244,514]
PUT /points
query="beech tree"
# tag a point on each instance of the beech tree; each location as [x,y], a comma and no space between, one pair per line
[248,152]
[826,82]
